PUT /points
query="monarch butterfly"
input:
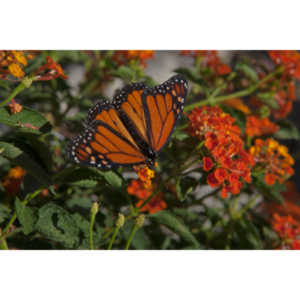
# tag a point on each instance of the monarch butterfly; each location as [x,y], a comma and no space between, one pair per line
[133,128]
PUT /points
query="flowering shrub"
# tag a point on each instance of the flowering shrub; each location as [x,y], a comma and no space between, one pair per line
[223,181]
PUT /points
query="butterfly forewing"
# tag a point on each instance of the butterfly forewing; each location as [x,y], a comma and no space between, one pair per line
[164,104]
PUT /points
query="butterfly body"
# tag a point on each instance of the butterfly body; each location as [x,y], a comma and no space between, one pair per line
[133,128]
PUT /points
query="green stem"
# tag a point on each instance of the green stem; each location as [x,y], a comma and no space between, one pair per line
[113,238]
[94,211]
[243,93]
[134,230]
[25,83]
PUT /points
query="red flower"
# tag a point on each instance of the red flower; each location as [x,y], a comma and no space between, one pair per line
[12,181]
[288,230]
[290,59]
[124,56]
[256,126]
[210,59]
[225,146]
[207,163]
[156,204]
[49,71]
[274,159]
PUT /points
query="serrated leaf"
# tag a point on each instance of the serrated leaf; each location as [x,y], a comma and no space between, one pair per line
[20,158]
[26,216]
[25,120]
[57,224]
[287,130]
[173,223]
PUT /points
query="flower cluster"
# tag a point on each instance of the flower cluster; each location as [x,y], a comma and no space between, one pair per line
[142,188]
[49,71]
[288,230]
[124,56]
[290,59]
[12,63]
[209,58]
[274,159]
[227,162]
[256,126]
[12,181]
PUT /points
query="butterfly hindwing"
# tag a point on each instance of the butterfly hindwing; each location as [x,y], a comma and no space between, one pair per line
[106,142]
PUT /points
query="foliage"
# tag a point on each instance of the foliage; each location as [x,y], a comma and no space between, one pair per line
[212,185]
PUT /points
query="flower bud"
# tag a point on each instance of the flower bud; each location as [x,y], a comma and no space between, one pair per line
[27,81]
[139,221]
[95,208]
[120,221]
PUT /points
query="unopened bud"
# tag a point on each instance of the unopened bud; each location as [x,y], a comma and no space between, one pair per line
[120,221]
[27,81]
[139,221]
[95,208]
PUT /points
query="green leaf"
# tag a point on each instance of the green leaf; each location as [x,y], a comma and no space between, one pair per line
[86,183]
[26,216]
[28,120]
[271,192]
[4,212]
[20,158]
[84,235]
[248,71]
[172,222]
[268,99]
[56,224]
[113,179]
[287,130]
[125,73]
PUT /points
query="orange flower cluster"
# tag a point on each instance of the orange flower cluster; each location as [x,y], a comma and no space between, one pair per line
[288,230]
[49,71]
[285,101]
[256,126]
[210,59]
[124,56]
[274,158]
[142,188]
[290,59]
[12,62]
[12,181]
[228,162]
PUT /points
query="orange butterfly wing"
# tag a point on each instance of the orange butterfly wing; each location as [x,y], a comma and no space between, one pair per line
[106,142]
[164,104]
[133,128]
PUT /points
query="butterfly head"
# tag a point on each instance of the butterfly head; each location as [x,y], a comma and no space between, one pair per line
[151,158]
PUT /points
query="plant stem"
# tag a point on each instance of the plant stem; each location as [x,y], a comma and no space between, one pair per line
[113,238]
[25,83]
[134,230]
[94,211]
[214,100]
